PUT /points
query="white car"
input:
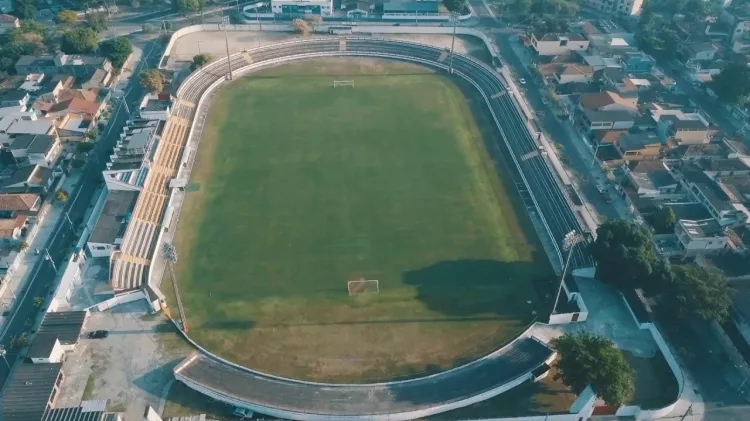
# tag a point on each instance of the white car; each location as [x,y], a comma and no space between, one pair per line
[522,81]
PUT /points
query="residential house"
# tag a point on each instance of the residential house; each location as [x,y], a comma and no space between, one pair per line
[14,98]
[110,227]
[607,137]
[34,82]
[615,8]
[737,19]
[100,79]
[12,228]
[636,62]
[694,46]
[75,127]
[36,149]
[76,65]
[616,80]
[570,72]
[700,237]
[684,128]
[410,8]
[556,44]
[590,120]
[23,203]
[698,152]
[8,22]
[607,101]
[29,124]
[726,210]
[76,106]
[598,62]
[609,46]
[652,179]
[32,178]
[641,147]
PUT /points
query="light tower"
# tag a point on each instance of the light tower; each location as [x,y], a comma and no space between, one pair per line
[170,256]
[569,242]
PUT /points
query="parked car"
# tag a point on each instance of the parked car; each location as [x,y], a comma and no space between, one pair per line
[98,334]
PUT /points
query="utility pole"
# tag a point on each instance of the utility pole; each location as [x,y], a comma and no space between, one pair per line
[170,255]
[454,18]
[225,23]
[569,242]
[48,258]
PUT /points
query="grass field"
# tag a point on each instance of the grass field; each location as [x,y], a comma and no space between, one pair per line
[299,187]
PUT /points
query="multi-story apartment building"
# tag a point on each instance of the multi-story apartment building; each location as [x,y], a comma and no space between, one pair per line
[615,7]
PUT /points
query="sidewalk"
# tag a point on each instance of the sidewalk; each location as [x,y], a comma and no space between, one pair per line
[28,258]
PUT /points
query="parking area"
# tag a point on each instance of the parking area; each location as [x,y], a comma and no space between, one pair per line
[131,367]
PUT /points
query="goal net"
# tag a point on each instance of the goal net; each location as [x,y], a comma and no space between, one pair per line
[343,83]
[363,286]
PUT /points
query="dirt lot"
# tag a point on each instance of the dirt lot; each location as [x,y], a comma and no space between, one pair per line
[131,367]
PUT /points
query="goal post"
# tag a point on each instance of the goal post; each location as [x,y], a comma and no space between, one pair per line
[363,286]
[343,83]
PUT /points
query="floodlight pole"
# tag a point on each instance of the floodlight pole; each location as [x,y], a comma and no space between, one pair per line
[571,239]
[3,352]
[454,18]
[225,22]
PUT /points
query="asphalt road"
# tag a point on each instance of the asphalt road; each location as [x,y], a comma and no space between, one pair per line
[64,234]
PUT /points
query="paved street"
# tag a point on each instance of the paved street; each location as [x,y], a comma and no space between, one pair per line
[63,237]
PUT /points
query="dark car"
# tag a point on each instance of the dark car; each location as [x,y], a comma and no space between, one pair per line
[99,334]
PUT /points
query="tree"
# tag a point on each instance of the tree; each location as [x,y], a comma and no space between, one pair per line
[25,9]
[591,360]
[623,254]
[187,5]
[521,7]
[18,342]
[314,20]
[61,195]
[458,6]
[663,220]
[77,163]
[695,291]
[301,26]
[22,245]
[200,60]
[38,301]
[79,41]
[152,80]
[117,50]
[97,22]
[66,17]
[92,134]
[732,85]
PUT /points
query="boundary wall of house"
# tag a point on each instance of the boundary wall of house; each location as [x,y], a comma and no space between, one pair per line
[575,317]
[674,366]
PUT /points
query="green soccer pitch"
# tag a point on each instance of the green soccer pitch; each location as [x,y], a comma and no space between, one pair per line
[300,187]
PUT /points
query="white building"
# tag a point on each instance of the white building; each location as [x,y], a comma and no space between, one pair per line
[152,107]
[615,8]
[302,7]
[557,44]
[700,237]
